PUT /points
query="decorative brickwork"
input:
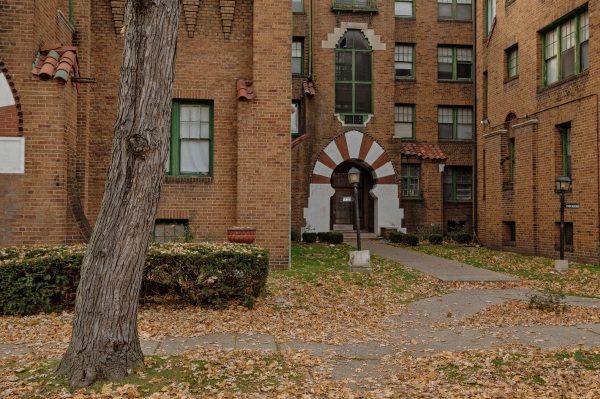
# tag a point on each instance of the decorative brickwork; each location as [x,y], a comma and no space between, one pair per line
[118,14]
[11,117]
[190,14]
[227,13]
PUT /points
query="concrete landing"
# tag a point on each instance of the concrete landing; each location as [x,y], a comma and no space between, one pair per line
[443,269]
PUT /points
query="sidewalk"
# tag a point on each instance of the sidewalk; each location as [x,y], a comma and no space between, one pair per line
[444,269]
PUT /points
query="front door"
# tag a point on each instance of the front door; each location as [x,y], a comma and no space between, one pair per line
[343,206]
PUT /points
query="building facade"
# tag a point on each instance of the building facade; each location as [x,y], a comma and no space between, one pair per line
[538,103]
[386,87]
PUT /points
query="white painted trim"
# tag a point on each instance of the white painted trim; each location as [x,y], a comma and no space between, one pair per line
[374,152]
[353,141]
[526,123]
[385,170]
[6,96]
[12,155]
[351,124]
[334,153]
[441,167]
[322,169]
[501,131]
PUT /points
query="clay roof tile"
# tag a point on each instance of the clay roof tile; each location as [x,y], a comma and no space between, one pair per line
[56,61]
[308,87]
[425,151]
[245,89]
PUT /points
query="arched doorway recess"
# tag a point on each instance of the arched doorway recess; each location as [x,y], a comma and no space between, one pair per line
[359,148]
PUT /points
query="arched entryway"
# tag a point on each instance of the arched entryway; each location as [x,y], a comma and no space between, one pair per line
[347,149]
[342,209]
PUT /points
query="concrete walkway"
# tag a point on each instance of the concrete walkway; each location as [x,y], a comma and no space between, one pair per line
[443,269]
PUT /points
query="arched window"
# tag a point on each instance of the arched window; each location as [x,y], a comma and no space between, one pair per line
[353,78]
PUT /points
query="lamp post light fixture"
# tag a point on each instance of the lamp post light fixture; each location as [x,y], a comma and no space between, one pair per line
[354,179]
[563,184]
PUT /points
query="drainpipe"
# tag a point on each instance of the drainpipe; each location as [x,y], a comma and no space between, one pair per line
[310,39]
[475,175]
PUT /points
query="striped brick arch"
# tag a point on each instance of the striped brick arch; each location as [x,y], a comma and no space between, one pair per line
[359,147]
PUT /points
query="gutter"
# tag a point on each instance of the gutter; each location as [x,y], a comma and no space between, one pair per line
[475,174]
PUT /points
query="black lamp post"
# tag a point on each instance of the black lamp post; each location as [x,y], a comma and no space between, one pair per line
[354,178]
[563,184]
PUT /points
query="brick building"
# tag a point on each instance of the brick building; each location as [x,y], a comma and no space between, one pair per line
[384,86]
[538,100]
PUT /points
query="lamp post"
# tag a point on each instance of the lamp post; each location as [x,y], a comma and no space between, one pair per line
[354,178]
[563,184]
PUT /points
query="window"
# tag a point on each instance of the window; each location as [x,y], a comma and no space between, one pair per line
[410,180]
[191,138]
[457,183]
[167,230]
[568,234]
[353,78]
[404,8]
[297,6]
[490,11]
[404,60]
[511,148]
[354,4]
[565,48]
[566,151]
[510,229]
[455,63]
[455,123]
[512,55]
[455,9]
[404,121]
[295,125]
[297,53]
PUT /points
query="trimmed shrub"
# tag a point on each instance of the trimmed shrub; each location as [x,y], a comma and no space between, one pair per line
[436,238]
[411,239]
[463,238]
[396,236]
[45,278]
[322,236]
[335,237]
[309,238]
[293,236]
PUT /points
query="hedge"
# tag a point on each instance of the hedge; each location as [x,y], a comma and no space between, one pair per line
[396,236]
[45,278]
[411,239]
[436,238]
[463,238]
[309,237]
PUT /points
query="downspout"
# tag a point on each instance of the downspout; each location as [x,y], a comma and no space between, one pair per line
[475,174]
[310,39]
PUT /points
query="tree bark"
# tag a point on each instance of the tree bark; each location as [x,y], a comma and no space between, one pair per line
[105,343]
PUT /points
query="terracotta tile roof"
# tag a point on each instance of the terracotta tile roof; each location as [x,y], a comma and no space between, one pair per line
[308,87]
[245,89]
[56,62]
[298,140]
[425,151]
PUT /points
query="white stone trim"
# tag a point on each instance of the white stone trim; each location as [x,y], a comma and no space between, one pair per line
[374,152]
[334,38]
[526,123]
[501,131]
[353,141]
[344,124]
[322,169]
[385,170]
[317,214]
[388,213]
[12,155]
[441,167]
[6,96]
[334,153]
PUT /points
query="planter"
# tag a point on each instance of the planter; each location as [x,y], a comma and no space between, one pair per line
[241,235]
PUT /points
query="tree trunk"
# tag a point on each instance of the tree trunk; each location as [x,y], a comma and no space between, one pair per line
[105,343]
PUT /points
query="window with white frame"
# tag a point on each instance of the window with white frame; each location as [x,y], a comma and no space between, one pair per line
[404,125]
[404,62]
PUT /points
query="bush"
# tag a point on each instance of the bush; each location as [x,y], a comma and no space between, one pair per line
[463,238]
[335,237]
[436,238]
[429,230]
[45,278]
[548,301]
[411,239]
[309,237]
[322,236]
[293,236]
[396,236]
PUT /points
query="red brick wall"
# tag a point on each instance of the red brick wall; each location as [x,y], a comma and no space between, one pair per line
[9,121]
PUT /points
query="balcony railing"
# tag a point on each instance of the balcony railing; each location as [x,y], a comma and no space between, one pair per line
[354,5]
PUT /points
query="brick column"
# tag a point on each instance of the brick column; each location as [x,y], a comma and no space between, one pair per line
[264,153]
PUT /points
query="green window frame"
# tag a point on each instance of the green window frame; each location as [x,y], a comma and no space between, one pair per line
[490,15]
[512,58]
[458,183]
[353,78]
[455,63]
[455,9]
[410,180]
[297,56]
[511,148]
[366,5]
[404,61]
[298,6]
[404,121]
[404,10]
[191,142]
[565,47]
[168,230]
[455,123]
[566,152]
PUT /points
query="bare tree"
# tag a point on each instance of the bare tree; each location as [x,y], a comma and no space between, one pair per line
[105,343]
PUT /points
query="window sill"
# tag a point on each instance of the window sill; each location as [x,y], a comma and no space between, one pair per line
[512,78]
[565,81]
[460,21]
[458,201]
[338,9]
[454,81]
[415,199]
[407,18]
[407,80]
[188,179]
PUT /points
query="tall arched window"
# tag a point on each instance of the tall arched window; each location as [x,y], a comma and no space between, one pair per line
[353,78]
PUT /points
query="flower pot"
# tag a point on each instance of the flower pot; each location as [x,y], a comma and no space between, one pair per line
[241,235]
